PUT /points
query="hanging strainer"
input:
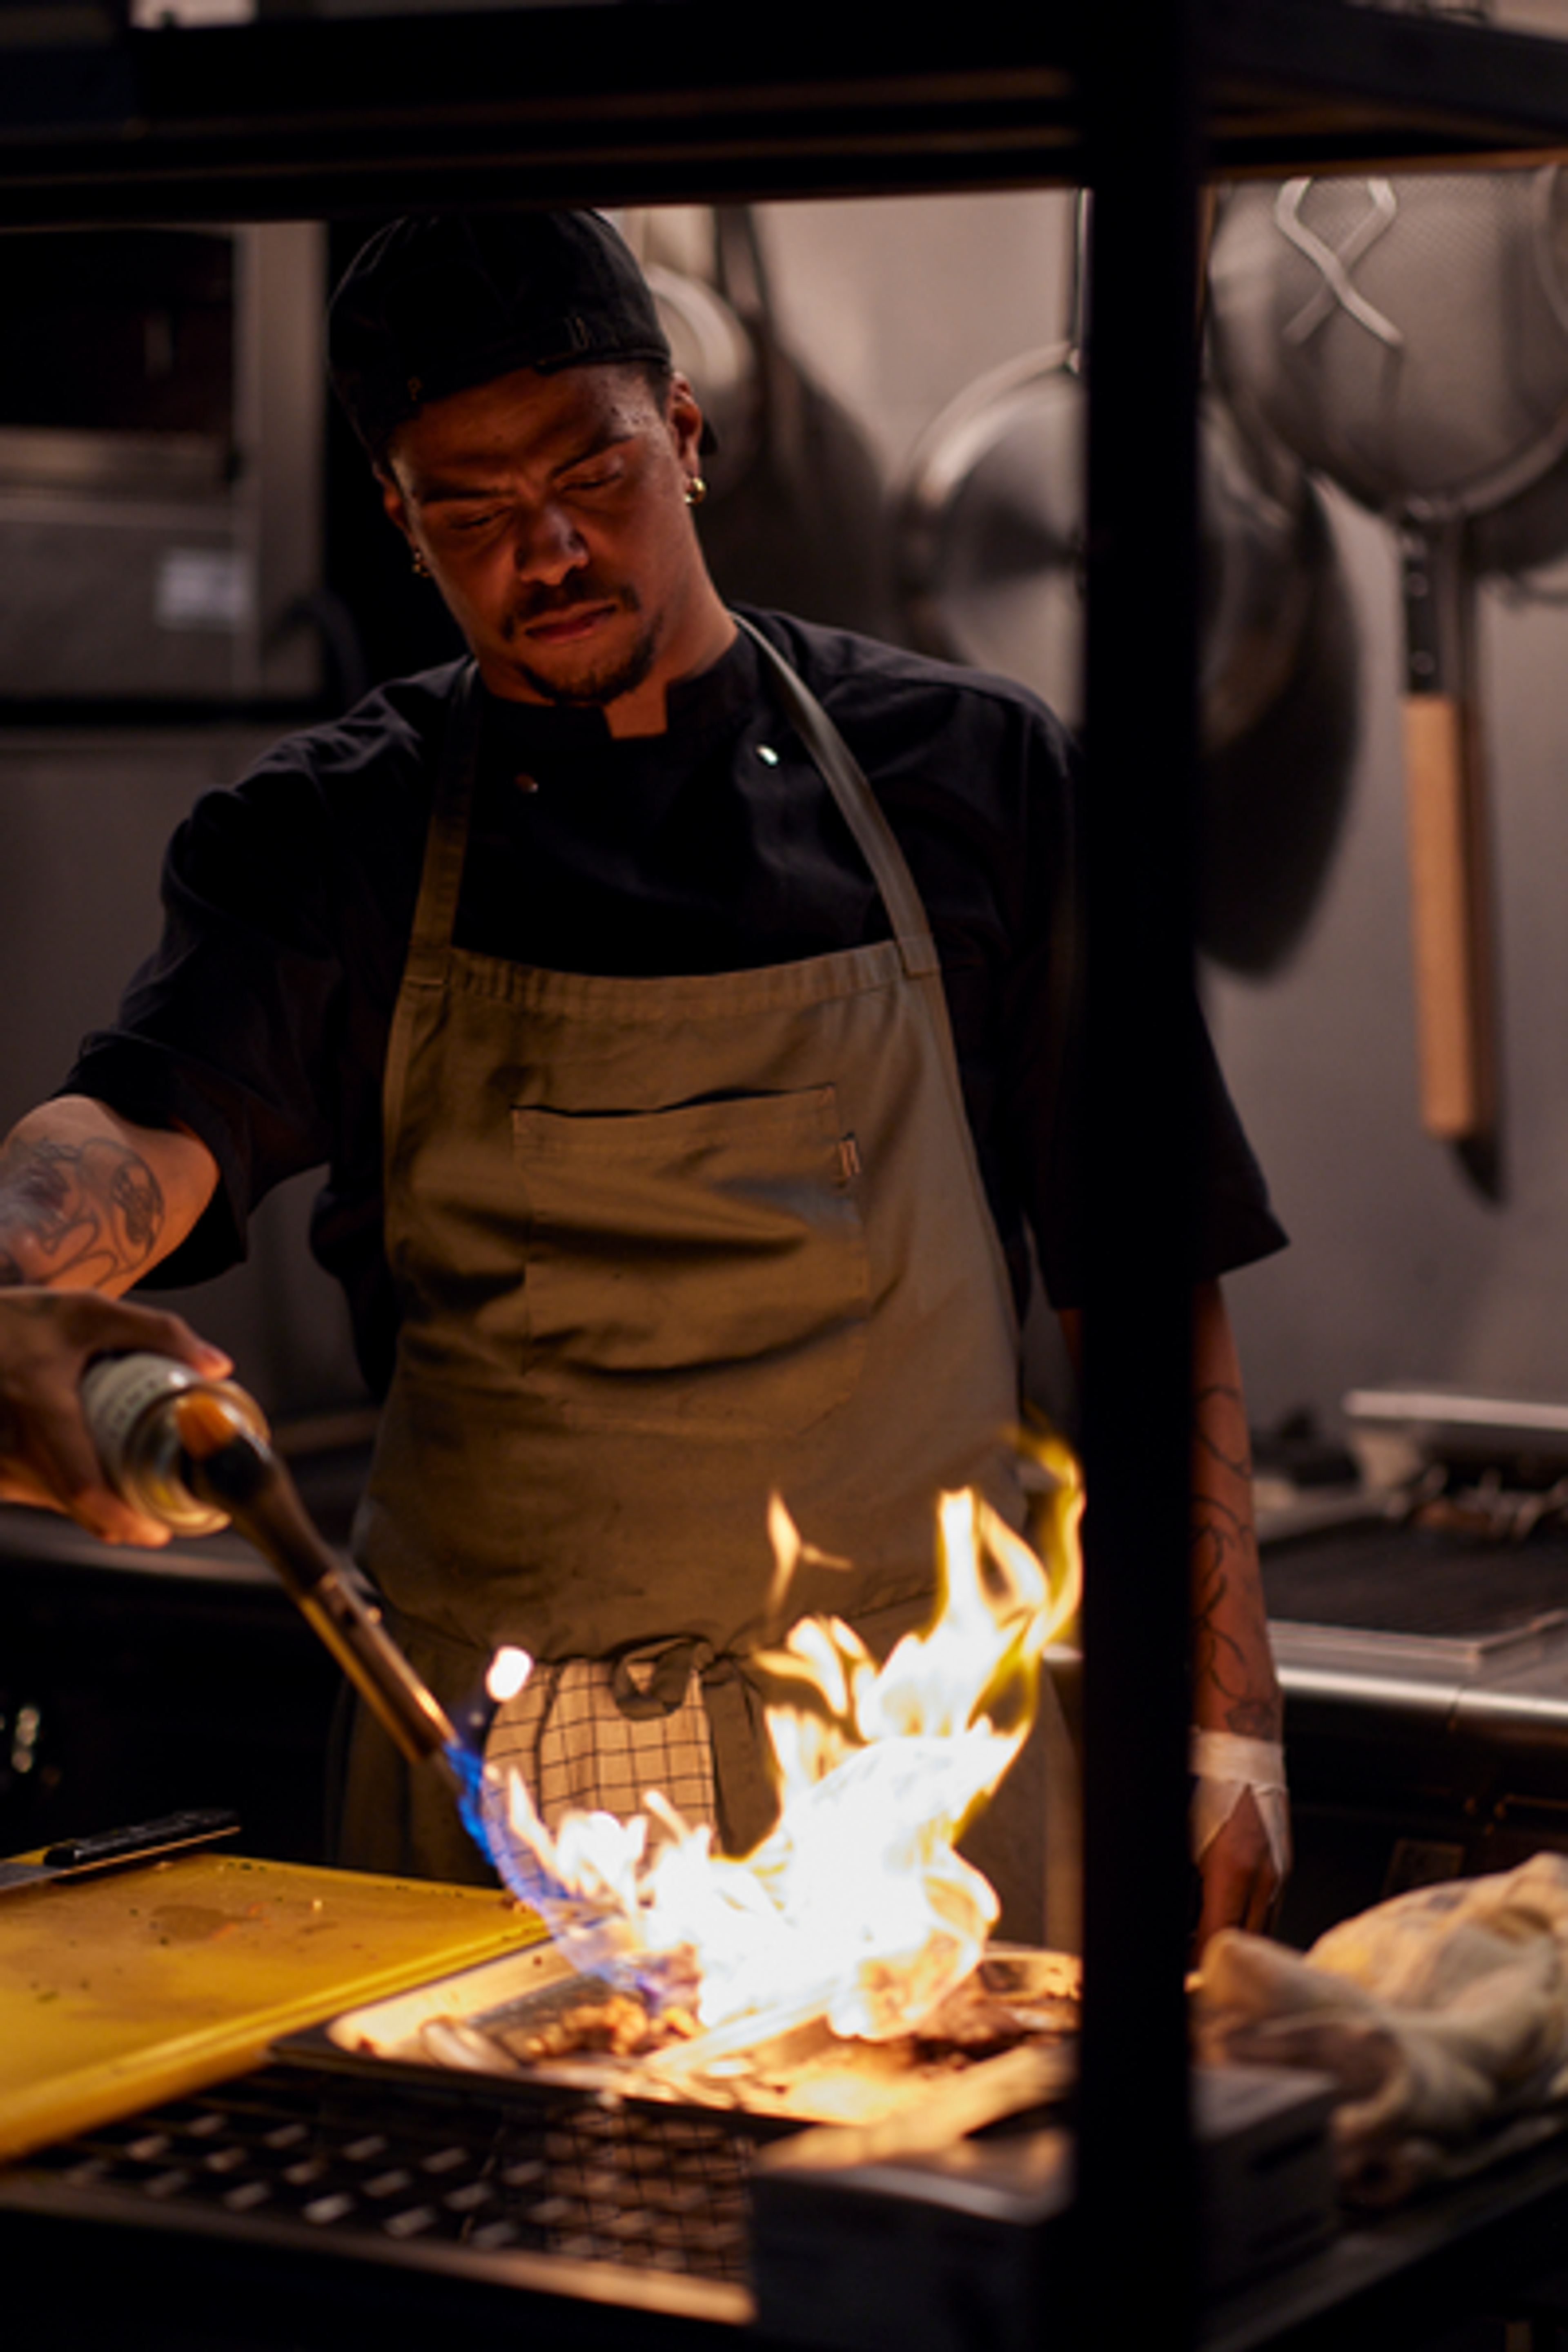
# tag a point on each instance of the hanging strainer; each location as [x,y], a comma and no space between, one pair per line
[1409,340]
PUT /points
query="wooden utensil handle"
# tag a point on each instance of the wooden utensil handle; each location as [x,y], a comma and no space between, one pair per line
[1452,982]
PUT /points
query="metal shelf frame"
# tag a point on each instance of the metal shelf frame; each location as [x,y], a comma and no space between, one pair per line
[301,114]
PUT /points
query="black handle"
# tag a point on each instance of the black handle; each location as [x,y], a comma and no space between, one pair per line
[142,1838]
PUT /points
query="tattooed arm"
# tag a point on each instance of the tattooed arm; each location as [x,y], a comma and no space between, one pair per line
[87,1204]
[87,1201]
[1234,1687]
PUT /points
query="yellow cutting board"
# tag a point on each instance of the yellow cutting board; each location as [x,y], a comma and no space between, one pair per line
[120,1990]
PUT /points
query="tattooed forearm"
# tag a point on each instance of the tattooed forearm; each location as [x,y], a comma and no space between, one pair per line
[1234,1687]
[1220,1421]
[84,1213]
[1231,1661]
[1224,1557]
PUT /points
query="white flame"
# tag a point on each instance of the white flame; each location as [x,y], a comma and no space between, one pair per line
[857,1905]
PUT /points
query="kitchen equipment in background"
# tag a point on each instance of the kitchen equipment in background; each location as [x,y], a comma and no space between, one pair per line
[161,421]
[796,515]
[136,1683]
[1520,545]
[1333,311]
[1419,1621]
[990,545]
[991,528]
[712,345]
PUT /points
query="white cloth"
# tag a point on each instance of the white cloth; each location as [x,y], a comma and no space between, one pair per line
[1441,2016]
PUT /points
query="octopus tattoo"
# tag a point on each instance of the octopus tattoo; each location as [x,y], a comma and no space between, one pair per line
[89,1212]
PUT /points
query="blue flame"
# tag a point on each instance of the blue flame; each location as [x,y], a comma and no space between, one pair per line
[597,1943]
[519,1873]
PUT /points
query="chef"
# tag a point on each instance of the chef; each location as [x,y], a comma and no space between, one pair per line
[681,1004]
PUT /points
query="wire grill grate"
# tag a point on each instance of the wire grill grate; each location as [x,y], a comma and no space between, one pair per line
[552,2176]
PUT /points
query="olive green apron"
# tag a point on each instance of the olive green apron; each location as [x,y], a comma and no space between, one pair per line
[664,1246]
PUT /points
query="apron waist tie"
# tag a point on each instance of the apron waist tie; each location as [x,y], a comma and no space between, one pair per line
[653,1678]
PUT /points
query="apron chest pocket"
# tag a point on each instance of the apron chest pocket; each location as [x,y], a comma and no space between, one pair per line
[698,1268]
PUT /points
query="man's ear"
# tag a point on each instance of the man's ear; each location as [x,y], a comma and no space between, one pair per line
[395,503]
[685,422]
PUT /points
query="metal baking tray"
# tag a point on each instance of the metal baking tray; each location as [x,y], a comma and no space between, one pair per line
[478,2019]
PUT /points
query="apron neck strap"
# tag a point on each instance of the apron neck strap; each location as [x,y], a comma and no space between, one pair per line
[446,842]
[859,806]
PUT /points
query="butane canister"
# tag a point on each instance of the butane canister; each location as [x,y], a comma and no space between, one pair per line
[128,1403]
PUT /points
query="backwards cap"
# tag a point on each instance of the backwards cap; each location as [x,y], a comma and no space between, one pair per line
[439,304]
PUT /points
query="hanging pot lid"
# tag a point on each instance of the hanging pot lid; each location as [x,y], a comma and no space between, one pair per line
[991,546]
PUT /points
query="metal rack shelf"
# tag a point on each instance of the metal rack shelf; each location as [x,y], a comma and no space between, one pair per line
[308,113]
[302,113]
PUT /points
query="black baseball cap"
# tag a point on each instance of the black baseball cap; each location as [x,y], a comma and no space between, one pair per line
[441,302]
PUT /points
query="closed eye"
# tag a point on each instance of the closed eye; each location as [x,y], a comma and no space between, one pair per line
[453,520]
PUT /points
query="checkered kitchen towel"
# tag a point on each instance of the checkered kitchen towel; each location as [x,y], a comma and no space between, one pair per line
[599,1733]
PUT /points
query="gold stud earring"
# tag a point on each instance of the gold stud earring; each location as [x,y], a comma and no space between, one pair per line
[696,491]
[421,569]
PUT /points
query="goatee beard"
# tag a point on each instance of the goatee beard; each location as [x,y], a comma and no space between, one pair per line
[592,688]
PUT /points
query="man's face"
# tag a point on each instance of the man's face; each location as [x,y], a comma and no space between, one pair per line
[552,511]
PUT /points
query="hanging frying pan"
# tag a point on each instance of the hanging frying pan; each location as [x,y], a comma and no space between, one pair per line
[1410,342]
[795,516]
[990,528]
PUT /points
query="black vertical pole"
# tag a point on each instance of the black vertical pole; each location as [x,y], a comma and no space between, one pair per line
[1141,734]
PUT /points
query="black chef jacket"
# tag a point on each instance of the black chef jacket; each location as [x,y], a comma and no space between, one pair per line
[261,1021]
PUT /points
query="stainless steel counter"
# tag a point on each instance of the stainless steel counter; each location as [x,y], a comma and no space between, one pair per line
[1426,1679]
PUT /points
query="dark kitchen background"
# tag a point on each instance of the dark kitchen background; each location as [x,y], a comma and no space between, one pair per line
[192,558]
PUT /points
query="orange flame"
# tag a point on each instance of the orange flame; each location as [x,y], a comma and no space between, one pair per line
[857,1907]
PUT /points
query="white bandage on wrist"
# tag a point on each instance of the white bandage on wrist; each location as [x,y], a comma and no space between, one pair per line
[1224,1768]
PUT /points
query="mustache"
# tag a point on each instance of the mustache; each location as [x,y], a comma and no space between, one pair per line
[547,604]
